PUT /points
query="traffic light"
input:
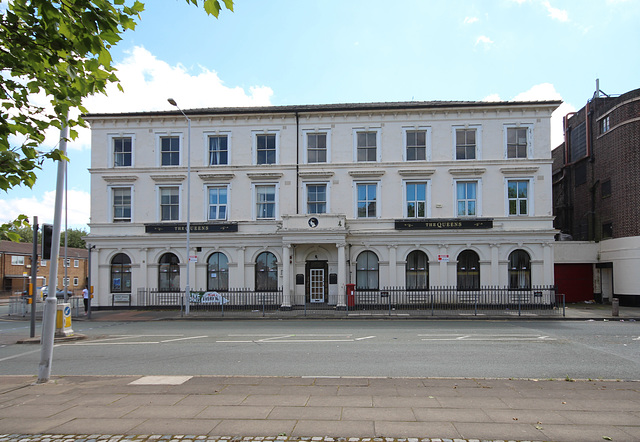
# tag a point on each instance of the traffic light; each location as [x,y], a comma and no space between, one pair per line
[47,234]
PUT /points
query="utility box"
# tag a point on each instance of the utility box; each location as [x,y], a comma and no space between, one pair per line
[63,320]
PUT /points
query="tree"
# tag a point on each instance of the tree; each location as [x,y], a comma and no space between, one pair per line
[60,50]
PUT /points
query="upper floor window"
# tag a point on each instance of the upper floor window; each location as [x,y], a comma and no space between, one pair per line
[467,198]
[518,142]
[416,205]
[366,145]
[169,203]
[518,197]
[76,263]
[466,144]
[416,144]
[217,203]
[122,151]
[317,147]
[218,150]
[316,198]
[170,151]
[266,201]
[366,200]
[266,149]
[17,260]
[604,125]
[121,204]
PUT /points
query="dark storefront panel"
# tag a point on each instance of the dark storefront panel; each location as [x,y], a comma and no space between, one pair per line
[575,281]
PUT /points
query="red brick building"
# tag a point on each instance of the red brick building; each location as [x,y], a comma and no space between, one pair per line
[596,189]
[15,268]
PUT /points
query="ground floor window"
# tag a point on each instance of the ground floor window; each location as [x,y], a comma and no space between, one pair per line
[218,272]
[367,271]
[121,274]
[417,271]
[169,273]
[519,270]
[266,272]
[468,270]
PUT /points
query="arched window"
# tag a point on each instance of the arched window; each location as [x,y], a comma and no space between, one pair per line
[417,271]
[266,272]
[519,270]
[468,270]
[121,274]
[367,271]
[218,272]
[169,273]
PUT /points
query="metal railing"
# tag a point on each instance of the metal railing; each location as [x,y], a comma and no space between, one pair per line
[20,306]
[390,301]
[538,300]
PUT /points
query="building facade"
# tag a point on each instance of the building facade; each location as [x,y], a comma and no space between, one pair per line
[16,262]
[597,190]
[310,198]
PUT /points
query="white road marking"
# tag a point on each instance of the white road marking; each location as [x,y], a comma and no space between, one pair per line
[484,337]
[366,337]
[183,339]
[21,354]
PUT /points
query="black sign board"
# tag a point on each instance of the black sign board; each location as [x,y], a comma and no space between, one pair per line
[444,224]
[195,228]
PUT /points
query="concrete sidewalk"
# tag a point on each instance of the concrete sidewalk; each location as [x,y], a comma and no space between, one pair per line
[210,407]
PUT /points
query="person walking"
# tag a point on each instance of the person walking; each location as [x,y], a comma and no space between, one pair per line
[85,296]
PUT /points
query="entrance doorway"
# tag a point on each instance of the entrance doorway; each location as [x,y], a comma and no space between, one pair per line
[317,282]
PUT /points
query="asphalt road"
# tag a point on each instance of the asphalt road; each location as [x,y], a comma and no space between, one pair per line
[487,349]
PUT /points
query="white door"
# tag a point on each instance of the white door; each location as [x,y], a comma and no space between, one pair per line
[316,285]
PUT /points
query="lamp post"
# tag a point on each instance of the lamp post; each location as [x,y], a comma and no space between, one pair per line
[187,287]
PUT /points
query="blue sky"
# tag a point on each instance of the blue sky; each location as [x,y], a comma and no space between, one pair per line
[281,52]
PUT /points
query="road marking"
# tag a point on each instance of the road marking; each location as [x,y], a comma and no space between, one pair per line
[183,339]
[294,338]
[21,354]
[366,337]
[485,337]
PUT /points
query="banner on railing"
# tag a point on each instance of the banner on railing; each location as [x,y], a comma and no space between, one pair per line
[207,298]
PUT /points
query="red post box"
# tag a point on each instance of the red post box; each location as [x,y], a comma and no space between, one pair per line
[351,297]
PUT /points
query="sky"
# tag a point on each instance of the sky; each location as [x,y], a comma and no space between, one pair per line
[288,52]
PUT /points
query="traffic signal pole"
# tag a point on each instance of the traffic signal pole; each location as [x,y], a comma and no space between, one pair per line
[50,306]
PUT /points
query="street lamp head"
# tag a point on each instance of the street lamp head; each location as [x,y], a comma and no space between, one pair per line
[172,102]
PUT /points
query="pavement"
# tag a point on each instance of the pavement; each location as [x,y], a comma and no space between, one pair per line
[318,409]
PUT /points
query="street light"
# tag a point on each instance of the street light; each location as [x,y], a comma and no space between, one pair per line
[187,291]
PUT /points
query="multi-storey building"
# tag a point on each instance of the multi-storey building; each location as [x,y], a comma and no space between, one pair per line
[15,268]
[597,191]
[311,198]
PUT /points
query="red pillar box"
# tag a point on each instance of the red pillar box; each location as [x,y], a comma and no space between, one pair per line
[351,298]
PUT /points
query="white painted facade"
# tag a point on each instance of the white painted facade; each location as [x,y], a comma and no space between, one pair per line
[383,166]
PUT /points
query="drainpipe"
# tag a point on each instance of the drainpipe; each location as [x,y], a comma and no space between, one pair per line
[297,163]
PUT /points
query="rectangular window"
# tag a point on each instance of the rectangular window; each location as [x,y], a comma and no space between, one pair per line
[518,197]
[367,199]
[316,198]
[66,262]
[121,204]
[43,263]
[517,142]
[604,125]
[76,281]
[467,198]
[605,189]
[607,230]
[416,145]
[17,260]
[266,149]
[76,263]
[170,151]
[217,203]
[266,202]
[122,152]
[218,150]
[465,144]
[416,203]
[366,146]
[317,147]
[169,204]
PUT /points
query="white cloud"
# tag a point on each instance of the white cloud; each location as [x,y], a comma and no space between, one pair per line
[470,20]
[484,40]
[77,212]
[492,97]
[555,13]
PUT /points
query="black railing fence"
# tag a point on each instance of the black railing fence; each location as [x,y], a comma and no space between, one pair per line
[398,301]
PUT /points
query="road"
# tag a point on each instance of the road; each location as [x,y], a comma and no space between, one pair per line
[403,348]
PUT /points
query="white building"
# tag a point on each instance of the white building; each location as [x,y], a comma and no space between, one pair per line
[311,198]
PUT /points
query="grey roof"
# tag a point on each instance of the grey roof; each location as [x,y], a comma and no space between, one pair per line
[340,107]
[24,248]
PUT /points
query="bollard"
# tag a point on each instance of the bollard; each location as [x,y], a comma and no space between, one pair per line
[63,320]
[615,307]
